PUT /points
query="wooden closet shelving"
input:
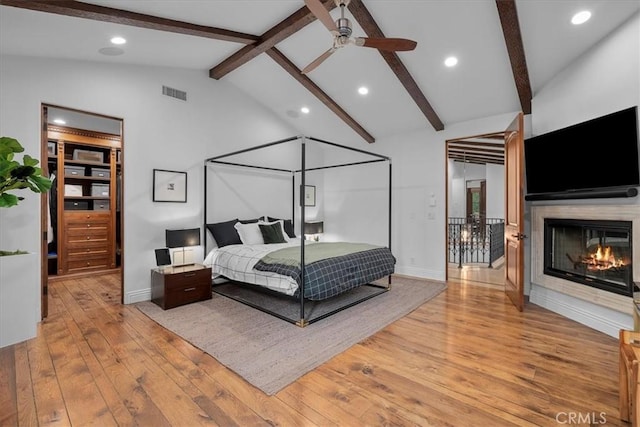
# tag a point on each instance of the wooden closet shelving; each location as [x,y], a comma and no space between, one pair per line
[86,200]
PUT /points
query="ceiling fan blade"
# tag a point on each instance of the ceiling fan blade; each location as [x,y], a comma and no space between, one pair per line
[319,60]
[317,8]
[385,43]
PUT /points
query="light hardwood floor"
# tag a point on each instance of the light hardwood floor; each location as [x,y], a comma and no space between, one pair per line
[465,358]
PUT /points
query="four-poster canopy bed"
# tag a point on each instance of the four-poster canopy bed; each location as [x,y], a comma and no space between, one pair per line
[324,277]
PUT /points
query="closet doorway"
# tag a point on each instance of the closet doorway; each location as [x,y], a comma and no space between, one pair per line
[82,215]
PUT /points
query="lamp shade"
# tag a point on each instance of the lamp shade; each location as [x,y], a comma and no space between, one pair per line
[183,238]
[315,227]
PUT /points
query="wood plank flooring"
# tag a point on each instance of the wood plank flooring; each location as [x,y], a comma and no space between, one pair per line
[465,358]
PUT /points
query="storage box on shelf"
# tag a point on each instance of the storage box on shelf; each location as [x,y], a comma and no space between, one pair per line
[100,172]
[99,190]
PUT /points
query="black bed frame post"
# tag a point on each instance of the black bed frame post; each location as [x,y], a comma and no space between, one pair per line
[204,222]
[390,204]
[293,199]
[302,322]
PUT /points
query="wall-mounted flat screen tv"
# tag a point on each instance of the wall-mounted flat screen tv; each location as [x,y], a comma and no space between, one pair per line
[596,158]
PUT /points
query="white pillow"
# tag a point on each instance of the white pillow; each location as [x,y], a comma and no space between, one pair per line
[284,234]
[250,234]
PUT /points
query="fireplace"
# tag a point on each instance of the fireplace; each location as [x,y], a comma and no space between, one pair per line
[596,253]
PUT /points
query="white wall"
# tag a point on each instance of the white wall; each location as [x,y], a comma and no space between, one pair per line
[495,191]
[602,81]
[418,164]
[159,132]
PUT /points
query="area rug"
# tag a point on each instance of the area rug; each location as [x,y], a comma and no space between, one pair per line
[271,353]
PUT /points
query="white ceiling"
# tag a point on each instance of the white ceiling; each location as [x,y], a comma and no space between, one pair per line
[480,85]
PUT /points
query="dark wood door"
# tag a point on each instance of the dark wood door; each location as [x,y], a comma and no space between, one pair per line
[514,212]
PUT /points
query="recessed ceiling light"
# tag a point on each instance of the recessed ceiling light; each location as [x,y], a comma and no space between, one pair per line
[581,17]
[305,110]
[118,40]
[363,90]
[59,121]
[451,61]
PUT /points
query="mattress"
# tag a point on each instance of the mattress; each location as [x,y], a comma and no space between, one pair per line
[330,268]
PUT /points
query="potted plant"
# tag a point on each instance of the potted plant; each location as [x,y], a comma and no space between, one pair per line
[19,284]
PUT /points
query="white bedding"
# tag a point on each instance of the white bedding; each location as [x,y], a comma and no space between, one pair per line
[236,262]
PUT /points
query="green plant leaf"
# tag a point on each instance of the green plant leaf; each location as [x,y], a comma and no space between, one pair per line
[27,160]
[43,184]
[6,167]
[8,200]
[8,146]
[22,172]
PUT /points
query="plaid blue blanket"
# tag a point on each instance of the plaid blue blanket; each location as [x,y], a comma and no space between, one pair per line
[332,276]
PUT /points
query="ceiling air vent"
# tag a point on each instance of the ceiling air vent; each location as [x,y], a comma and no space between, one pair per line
[174,93]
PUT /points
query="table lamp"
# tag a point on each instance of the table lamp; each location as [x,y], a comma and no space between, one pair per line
[183,239]
[313,228]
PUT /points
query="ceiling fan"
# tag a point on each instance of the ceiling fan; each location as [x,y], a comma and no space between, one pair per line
[341,30]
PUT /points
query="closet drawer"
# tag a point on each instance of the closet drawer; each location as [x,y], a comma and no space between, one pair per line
[76,218]
[94,233]
[74,266]
[83,244]
[80,254]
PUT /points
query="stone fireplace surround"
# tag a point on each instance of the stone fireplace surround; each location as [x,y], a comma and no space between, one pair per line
[610,301]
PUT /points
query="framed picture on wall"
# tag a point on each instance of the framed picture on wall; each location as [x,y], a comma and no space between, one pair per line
[309,195]
[169,186]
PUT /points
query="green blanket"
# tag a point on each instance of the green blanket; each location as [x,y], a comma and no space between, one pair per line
[314,252]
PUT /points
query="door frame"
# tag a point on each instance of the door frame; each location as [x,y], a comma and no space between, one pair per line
[470,141]
[44,205]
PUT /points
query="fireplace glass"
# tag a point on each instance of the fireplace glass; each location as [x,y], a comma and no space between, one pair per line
[594,253]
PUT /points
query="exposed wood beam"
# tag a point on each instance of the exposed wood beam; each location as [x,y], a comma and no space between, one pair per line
[513,39]
[478,161]
[477,152]
[475,155]
[492,135]
[469,145]
[295,22]
[296,73]
[459,155]
[369,25]
[107,14]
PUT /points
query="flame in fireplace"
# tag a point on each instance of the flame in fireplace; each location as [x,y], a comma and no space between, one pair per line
[603,259]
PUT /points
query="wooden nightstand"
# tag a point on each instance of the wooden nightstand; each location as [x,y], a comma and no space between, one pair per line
[174,286]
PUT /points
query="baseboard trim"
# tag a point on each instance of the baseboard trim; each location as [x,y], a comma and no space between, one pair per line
[594,316]
[420,273]
[137,296]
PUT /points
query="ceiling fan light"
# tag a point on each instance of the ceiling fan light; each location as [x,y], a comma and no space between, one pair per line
[581,17]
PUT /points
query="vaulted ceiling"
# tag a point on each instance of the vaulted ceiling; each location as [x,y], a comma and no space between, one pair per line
[507,50]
